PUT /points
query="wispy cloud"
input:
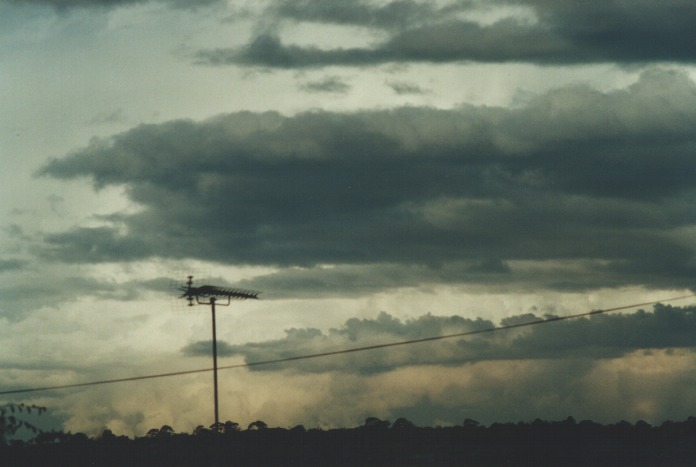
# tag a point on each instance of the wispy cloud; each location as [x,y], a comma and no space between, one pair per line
[401,87]
[330,84]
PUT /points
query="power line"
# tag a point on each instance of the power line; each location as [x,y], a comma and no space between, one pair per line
[345,351]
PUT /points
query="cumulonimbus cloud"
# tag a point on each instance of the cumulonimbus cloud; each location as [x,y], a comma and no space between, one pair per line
[600,181]
[596,338]
[560,32]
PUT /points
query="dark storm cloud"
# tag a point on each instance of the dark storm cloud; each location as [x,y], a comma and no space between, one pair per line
[67,4]
[357,280]
[330,84]
[564,32]
[396,14]
[598,337]
[73,3]
[267,50]
[105,245]
[402,88]
[355,333]
[575,175]
[11,265]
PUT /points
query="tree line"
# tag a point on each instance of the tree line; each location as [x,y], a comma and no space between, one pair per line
[376,442]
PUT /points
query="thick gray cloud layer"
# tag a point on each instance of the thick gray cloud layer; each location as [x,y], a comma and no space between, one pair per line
[561,32]
[68,4]
[549,32]
[574,175]
[599,337]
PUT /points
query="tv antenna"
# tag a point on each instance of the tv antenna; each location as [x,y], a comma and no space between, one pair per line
[209,295]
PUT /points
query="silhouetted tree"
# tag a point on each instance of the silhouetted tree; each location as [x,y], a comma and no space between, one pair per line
[11,421]
[376,423]
[51,437]
[257,425]
[107,435]
[402,424]
[217,427]
[164,431]
[230,427]
[545,443]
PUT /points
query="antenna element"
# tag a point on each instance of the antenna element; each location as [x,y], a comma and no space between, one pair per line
[208,295]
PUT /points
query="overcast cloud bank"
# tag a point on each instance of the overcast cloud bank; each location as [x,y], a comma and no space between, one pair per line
[577,182]
[596,338]
[534,31]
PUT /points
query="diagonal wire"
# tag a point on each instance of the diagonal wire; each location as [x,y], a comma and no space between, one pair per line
[345,351]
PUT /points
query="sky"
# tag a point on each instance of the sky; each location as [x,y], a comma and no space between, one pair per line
[381,171]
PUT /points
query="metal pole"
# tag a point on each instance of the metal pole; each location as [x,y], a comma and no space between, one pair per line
[215,367]
[210,292]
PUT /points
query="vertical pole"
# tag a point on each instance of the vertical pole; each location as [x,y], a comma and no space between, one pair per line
[215,369]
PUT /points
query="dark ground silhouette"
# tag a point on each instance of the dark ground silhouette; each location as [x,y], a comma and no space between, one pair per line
[377,442]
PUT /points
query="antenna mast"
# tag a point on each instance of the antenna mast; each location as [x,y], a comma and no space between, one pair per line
[208,295]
